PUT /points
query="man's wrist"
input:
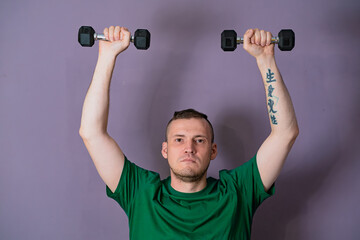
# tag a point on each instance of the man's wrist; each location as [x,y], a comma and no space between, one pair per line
[265,61]
[107,57]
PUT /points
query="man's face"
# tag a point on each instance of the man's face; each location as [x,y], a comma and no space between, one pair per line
[189,148]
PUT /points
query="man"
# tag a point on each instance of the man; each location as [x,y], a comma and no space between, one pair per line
[188,205]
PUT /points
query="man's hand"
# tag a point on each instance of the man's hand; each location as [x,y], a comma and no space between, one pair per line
[258,43]
[118,41]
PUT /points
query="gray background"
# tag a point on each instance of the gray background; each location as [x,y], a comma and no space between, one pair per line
[49,187]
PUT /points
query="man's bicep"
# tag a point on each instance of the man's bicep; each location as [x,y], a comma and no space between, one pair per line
[108,159]
[271,157]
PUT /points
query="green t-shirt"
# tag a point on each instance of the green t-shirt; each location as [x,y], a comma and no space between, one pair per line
[224,209]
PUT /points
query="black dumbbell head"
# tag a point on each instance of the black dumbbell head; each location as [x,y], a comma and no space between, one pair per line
[286,40]
[86,36]
[142,39]
[228,40]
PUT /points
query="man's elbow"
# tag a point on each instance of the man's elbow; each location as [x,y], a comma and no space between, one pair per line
[292,134]
[82,133]
[289,134]
[85,134]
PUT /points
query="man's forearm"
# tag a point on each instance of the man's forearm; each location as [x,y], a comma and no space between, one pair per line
[280,108]
[96,105]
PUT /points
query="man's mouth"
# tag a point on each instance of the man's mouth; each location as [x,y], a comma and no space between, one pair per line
[187,159]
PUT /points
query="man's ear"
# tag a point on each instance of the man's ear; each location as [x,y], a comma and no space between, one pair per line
[164,150]
[213,151]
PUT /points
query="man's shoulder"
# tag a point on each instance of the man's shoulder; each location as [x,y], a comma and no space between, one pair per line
[134,170]
[242,167]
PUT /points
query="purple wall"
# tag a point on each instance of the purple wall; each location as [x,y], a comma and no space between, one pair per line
[49,187]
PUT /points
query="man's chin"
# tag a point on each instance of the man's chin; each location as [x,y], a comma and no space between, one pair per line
[188,176]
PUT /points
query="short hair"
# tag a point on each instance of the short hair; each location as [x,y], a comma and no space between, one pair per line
[187,114]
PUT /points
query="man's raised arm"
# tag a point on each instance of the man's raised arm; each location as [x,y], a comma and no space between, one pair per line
[104,151]
[284,128]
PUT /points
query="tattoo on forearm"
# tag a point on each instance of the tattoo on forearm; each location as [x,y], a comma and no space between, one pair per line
[270,90]
[271,106]
[270,79]
[273,119]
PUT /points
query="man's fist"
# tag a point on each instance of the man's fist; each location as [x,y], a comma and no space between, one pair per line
[258,43]
[118,41]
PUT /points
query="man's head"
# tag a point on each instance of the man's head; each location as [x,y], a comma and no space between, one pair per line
[188,114]
[189,145]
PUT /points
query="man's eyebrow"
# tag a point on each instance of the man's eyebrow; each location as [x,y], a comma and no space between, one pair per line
[182,135]
[202,136]
[178,135]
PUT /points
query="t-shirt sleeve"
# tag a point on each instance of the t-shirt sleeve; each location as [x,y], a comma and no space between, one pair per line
[248,180]
[133,179]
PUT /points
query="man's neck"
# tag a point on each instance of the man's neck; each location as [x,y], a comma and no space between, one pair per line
[188,187]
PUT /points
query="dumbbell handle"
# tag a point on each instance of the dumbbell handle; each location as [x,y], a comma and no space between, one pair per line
[101,36]
[273,40]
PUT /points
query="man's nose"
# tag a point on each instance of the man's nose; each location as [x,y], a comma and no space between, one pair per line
[190,148]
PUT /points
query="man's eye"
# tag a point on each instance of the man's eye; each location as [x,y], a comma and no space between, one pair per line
[178,139]
[200,140]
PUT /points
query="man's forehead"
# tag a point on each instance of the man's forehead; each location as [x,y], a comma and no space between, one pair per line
[185,125]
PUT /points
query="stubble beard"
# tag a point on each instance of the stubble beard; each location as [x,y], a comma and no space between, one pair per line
[189,175]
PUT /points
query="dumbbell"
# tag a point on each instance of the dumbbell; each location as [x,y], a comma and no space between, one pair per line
[285,40]
[87,37]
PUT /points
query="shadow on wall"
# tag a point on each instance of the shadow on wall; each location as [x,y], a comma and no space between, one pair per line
[294,195]
[235,136]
